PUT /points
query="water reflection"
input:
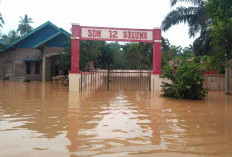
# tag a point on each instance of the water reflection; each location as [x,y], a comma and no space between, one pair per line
[38,120]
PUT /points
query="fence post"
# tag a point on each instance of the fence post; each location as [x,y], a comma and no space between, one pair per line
[81,80]
[108,79]
[227,79]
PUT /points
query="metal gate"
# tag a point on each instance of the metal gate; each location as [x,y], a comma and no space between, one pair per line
[116,80]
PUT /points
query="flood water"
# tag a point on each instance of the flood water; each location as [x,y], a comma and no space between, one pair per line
[38,120]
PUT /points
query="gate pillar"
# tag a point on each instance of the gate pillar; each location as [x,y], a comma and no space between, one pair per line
[74,73]
[155,79]
[157,51]
[75,48]
[74,82]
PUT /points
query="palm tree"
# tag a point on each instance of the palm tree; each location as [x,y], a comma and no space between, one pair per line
[195,16]
[1,20]
[11,37]
[24,25]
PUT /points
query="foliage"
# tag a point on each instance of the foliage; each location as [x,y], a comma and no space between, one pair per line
[138,55]
[169,52]
[201,46]
[90,51]
[195,16]
[197,19]
[221,28]
[168,55]
[213,63]
[186,81]
[11,37]
[106,59]
[118,56]
[64,61]
[120,61]
[1,20]
[24,25]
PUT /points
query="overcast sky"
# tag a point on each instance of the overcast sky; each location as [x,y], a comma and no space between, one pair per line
[105,13]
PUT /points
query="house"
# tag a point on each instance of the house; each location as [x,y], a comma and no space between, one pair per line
[33,56]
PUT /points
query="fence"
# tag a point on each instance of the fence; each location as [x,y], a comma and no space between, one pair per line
[115,80]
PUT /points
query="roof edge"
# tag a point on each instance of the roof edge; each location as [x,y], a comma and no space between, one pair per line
[30,33]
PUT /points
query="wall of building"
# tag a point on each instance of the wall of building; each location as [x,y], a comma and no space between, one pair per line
[33,76]
[52,50]
[51,53]
[47,69]
[16,58]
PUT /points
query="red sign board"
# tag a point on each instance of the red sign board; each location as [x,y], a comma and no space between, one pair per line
[116,34]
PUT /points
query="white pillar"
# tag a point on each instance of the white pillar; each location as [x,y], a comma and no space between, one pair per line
[156,82]
[44,69]
[74,82]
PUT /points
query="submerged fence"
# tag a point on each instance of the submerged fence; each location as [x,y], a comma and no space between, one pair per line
[116,80]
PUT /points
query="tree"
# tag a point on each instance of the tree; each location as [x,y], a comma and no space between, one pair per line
[120,61]
[106,59]
[64,61]
[11,37]
[197,19]
[24,25]
[90,52]
[1,20]
[201,46]
[139,55]
[169,52]
[116,56]
[195,16]
[186,81]
[221,32]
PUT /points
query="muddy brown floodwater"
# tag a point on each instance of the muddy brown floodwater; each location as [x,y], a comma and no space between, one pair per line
[37,120]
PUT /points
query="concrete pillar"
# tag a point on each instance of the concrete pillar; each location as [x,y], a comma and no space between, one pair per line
[44,69]
[74,73]
[74,82]
[75,48]
[156,82]
[157,51]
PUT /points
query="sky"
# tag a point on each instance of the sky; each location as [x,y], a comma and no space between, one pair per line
[144,14]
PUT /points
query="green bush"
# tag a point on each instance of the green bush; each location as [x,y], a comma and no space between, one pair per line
[186,81]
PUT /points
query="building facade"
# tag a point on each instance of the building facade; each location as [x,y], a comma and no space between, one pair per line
[33,56]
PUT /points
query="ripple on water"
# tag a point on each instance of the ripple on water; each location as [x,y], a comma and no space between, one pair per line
[41,119]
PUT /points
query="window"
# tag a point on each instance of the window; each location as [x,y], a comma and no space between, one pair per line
[28,67]
[37,68]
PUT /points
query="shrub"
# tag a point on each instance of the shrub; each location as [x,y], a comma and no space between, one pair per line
[187,81]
